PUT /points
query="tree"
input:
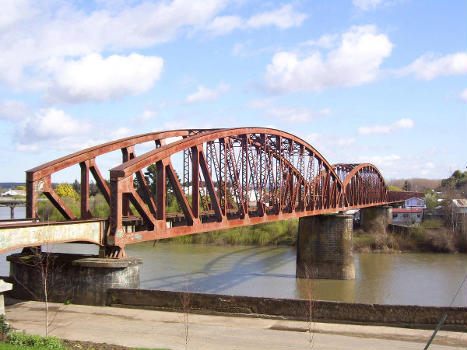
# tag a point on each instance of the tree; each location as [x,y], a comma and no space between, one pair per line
[455,184]
[431,199]
[93,189]
[20,188]
[407,186]
[394,188]
[76,186]
[66,191]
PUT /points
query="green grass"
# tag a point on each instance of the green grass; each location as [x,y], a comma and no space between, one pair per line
[273,233]
[6,346]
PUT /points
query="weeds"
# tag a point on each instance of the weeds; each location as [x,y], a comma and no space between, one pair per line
[22,339]
[429,236]
[185,299]
[273,233]
[4,328]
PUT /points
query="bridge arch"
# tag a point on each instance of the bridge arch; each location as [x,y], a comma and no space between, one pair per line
[363,184]
[219,178]
[38,179]
[249,175]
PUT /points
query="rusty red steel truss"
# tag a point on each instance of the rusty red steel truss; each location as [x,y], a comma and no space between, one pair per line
[229,178]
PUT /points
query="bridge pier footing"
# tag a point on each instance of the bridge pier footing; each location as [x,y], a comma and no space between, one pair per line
[324,247]
[375,218]
[79,279]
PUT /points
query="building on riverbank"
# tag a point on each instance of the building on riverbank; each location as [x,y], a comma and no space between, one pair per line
[406,216]
[459,215]
[414,203]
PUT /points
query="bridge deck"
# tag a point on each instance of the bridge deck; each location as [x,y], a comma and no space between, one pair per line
[20,234]
[242,176]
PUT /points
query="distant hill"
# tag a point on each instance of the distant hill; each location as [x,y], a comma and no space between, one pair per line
[416,184]
[8,185]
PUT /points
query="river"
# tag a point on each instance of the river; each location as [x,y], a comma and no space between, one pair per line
[410,279]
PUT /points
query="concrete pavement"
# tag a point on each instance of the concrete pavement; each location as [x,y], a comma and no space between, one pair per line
[160,329]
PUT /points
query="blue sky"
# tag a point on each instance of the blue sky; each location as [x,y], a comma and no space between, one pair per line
[380,81]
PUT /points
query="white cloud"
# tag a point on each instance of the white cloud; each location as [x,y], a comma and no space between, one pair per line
[327,41]
[260,103]
[355,61]
[430,66]
[248,48]
[145,116]
[27,148]
[296,114]
[380,161]
[58,31]
[14,11]
[366,5]
[404,123]
[120,133]
[225,24]
[334,149]
[464,95]
[314,138]
[282,18]
[204,94]
[13,110]
[287,114]
[93,78]
[345,141]
[50,123]
[54,129]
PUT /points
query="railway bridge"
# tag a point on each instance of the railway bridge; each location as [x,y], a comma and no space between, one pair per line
[219,178]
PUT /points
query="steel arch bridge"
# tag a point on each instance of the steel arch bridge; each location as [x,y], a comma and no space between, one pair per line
[220,178]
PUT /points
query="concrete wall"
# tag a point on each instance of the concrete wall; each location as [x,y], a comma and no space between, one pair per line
[324,247]
[75,278]
[375,218]
[321,311]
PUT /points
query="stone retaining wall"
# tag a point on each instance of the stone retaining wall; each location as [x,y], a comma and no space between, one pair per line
[321,311]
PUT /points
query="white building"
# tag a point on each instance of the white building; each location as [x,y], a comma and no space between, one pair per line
[414,202]
[406,216]
[12,193]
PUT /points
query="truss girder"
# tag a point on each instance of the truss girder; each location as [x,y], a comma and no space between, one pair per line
[229,178]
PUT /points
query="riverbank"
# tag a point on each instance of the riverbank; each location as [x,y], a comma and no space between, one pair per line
[429,237]
[410,316]
[174,330]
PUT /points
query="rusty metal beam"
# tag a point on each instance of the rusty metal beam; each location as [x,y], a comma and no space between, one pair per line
[289,179]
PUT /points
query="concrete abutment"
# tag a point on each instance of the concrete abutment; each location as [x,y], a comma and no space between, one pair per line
[324,247]
[79,279]
[375,218]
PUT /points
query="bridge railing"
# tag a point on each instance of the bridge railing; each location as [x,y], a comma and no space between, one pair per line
[209,179]
[39,179]
[236,177]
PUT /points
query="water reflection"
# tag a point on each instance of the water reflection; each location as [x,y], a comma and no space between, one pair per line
[231,270]
[423,279]
[420,279]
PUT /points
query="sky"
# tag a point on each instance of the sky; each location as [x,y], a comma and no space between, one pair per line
[378,81]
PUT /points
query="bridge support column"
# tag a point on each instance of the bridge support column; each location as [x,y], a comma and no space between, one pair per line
[324,247]
[375,219]
[79,279]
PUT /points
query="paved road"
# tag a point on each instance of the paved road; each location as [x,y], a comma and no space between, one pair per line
[159,329]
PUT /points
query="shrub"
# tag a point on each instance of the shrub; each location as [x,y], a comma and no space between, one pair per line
[22,339]
[362,242]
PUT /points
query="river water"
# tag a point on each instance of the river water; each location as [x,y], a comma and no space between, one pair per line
[410,279]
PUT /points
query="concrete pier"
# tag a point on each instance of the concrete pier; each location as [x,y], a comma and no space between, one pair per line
[375,218]
[79,279]
[324,247]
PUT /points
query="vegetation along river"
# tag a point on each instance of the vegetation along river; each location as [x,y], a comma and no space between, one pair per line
[409,278]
